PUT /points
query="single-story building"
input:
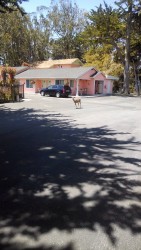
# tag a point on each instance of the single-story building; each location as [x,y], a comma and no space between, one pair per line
[82,80]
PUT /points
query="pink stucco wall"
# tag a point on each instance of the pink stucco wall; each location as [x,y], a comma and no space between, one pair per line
[27,90]
[108,86]
[99,76]
[85,87]
[88,74]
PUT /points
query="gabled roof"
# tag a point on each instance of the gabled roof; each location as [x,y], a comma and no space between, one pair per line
[108,77]
[58,73]
[97,73]
[51,63]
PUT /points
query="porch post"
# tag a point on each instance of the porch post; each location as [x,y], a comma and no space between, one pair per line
[77,82]
[94,87]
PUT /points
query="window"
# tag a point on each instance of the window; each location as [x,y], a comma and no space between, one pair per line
[50,87]
[71,83]
[45,83]
[59,82]
[54,86]
[29,85]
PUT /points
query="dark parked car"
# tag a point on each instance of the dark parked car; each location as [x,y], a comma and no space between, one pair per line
[56,90]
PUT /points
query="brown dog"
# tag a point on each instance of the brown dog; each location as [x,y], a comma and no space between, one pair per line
[77,101]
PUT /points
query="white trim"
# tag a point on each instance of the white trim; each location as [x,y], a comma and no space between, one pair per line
[77,86]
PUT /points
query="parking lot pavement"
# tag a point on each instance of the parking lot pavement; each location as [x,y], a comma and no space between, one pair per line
[70,179]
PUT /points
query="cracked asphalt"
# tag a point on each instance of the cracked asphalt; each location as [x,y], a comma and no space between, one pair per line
[70,179]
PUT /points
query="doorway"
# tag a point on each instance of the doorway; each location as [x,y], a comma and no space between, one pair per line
[99,87]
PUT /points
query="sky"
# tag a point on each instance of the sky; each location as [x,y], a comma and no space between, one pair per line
[87,5]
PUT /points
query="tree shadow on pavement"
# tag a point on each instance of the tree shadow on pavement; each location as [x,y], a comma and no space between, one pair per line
[56,175]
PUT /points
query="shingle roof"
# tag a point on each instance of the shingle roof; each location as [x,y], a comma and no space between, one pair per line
[51,63]
[59,73]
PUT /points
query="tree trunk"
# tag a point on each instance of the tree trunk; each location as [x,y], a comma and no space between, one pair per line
[126,68]
[136,79]
[127,50]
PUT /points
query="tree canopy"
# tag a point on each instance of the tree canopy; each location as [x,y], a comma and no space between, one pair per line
[11,5]
[115,27]
[67,21]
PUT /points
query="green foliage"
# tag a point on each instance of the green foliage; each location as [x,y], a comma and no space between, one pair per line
[11,6]
[14,44]
[67,21]
[103,61]
[39,37]
[116,27]
[23,39]
[36,38]
[8,74]
[106,27]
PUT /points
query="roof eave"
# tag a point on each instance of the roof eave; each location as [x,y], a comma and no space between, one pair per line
[85,72]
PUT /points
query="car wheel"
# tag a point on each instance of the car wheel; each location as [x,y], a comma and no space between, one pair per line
[57,94]
[42,93]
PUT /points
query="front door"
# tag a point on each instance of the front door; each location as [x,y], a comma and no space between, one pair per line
[99,87]
[109,88]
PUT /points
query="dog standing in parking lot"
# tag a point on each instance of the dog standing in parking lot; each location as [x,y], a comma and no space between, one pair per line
[77,101]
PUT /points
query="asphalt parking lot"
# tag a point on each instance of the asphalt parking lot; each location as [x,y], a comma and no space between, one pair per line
[70,179]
